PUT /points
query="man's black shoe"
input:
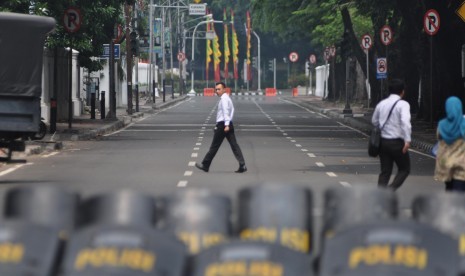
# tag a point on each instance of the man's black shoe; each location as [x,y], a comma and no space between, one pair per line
[201,167]
[242,168]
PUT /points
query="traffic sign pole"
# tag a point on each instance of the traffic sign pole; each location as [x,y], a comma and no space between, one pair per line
[367,42]
[431,23]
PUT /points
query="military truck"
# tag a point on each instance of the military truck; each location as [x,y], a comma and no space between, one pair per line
[22,39]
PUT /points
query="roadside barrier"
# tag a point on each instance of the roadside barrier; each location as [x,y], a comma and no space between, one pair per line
[295,92]
[276,214]
[270,91]
[209,92]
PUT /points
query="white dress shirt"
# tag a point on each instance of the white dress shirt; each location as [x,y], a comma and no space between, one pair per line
[225,110]
[399,125]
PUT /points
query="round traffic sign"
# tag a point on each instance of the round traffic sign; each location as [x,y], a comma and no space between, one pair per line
[386,35]
[312,59]
[367,42]
[431,22]
[181,56]
[72,20]
[293,56]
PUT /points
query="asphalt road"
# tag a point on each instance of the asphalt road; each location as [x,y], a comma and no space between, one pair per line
[282,142]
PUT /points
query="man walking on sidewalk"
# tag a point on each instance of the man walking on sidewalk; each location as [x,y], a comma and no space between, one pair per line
[224,129]
[394,114]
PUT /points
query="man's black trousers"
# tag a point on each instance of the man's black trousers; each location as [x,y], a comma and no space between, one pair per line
[218,138]
[390,153]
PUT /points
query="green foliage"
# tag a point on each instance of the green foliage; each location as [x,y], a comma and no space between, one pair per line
[98,20]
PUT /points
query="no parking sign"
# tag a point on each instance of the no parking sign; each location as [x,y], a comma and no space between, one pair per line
[381,68]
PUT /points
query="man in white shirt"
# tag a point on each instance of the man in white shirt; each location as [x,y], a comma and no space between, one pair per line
[224,129]
[395,135]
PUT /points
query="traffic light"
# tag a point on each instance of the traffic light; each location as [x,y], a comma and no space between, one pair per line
[254,62]
[134,43]
[271,65]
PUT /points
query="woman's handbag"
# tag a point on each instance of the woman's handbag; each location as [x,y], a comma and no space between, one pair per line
[374,143]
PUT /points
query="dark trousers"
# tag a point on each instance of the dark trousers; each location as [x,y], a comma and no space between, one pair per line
[390,153]
[218,138]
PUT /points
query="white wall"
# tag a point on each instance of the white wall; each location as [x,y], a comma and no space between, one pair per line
[322,73]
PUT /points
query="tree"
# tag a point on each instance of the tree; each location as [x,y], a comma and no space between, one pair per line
[99,19]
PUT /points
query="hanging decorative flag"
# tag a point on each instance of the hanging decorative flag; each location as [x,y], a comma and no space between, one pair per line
[235,47]
[216,56]
[249,46]
[209,54]
[226,46]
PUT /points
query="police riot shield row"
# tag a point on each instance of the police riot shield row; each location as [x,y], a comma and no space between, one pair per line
[52,231]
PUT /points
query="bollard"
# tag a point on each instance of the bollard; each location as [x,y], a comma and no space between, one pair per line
[92,105]
[53,115]
[137,97]
[102,105]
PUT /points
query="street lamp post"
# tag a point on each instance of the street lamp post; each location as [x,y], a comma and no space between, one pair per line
[192,92]
[259,64]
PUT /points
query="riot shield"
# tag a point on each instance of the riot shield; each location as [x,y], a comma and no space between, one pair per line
[446,212]
[390,248]
[45,205]
[117,237]
[28,248]
[345,207]
[199,218]
[275,213]
[251,258]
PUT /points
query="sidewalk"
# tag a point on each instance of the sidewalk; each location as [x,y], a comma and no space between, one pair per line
[423,134]
[85,128]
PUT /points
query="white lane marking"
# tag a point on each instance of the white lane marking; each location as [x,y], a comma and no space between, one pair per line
[298,145]
[198,144]
[293,141]
[319,164]
[304,108]
[191,164]
[182,183]
[304,150]
[331,174]
[196,148]
[345,184]
[50,154]
[187,173]
[10,170]
[311,155]
[194,155]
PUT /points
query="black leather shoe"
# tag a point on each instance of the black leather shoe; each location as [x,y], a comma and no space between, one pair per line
[242,168]
[201,167]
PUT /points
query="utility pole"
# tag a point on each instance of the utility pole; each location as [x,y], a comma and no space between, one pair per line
[127,13]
